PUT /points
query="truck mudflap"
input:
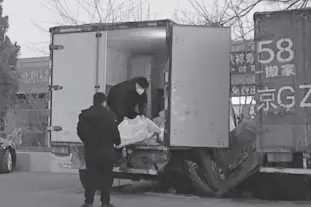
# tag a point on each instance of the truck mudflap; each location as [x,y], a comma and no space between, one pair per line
[217,171]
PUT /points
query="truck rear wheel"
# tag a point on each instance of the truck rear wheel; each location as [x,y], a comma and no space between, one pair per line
[182,174]
[180,182]
[215,172]
[200,182]
[187,177]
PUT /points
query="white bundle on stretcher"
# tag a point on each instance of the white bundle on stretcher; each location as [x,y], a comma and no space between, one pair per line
[136,130]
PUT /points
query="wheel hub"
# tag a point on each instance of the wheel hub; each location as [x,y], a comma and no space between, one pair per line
[9,162]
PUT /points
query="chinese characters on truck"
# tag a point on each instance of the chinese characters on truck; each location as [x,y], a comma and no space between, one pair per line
[283,58]
[243,73]
[278,68]
[271,98]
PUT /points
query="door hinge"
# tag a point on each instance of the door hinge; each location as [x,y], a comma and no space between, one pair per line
[97,87]
[98,35]
[55,87]
[56,47]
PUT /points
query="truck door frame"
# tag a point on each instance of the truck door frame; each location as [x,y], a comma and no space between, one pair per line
[99,79]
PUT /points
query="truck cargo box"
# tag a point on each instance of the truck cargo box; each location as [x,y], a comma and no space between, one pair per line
[284,76]
[189,63]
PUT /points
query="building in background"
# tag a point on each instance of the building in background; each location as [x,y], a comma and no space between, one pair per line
[27,120]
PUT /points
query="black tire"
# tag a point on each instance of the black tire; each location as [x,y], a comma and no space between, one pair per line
[216,172]
[180,182]
[7,162]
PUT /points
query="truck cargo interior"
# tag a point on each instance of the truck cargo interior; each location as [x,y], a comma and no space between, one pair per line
[139,52]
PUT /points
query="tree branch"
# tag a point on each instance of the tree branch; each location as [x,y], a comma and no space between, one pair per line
[101,12]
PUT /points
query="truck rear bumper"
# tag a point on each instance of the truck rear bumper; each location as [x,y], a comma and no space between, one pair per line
[296,171]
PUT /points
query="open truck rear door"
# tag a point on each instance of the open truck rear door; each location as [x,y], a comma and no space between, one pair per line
[76,59]
[200,86]
[200,106]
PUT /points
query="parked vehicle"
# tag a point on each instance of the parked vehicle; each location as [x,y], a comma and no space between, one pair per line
[7,156]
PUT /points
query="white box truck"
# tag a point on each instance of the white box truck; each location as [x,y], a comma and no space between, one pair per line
[189,64]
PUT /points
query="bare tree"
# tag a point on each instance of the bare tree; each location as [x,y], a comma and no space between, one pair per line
[100,11]
[36,119]
[234,13]
[28,120]
[77,12]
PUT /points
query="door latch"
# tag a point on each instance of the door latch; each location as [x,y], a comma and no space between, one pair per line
[55,87]
[54,128]
[56,47]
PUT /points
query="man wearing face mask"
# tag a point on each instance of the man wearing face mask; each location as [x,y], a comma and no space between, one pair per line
[129,98]
[97,129]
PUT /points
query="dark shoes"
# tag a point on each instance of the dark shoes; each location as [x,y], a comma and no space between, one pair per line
[107,205]
[103,205]
[87,205]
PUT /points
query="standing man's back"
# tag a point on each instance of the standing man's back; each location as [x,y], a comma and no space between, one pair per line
[99,133]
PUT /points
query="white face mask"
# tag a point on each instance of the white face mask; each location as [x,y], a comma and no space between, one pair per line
[104,104]
[140,91]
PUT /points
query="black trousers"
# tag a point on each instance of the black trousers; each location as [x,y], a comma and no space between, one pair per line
[98,176]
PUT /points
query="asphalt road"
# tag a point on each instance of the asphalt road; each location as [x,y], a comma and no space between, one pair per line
[64,190]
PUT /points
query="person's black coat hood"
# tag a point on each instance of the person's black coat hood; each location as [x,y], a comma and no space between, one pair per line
[96,114]
[99,98]
[97,127]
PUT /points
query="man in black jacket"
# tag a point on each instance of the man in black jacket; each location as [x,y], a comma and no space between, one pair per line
[99,133]
[129,98]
